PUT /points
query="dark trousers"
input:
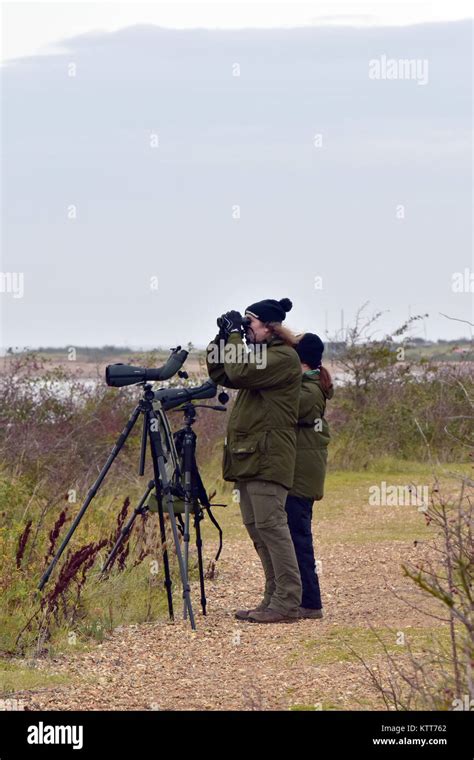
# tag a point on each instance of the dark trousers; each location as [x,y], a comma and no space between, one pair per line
[300,513]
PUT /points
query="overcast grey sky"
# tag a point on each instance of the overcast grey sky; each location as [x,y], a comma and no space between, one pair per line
[379,207]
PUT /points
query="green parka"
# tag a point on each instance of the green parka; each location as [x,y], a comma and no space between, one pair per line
[312,440]
[261,432]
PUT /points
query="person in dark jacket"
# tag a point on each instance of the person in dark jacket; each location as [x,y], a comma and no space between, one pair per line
[310,467]
[260,447]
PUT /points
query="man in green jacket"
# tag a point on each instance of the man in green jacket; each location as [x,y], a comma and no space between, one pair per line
[310,467]
[259,450]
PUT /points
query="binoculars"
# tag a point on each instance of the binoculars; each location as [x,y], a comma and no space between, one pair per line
[245,322]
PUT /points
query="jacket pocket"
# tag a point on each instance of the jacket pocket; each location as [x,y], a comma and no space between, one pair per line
[268,501]
[245,455]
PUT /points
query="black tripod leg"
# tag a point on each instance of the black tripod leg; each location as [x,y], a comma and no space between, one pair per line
[164,552]
[120,441]
[139,510]
[197,527]
[161,476]
[188,444]
[186,537]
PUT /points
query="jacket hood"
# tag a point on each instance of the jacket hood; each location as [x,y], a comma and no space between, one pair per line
[327,394]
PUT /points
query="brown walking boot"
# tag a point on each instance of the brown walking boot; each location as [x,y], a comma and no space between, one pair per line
[244,614]
[310,614]
[270,616]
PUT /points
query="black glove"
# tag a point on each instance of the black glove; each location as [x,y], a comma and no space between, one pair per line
[229,322]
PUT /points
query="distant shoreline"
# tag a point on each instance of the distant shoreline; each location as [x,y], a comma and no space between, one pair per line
[89,369]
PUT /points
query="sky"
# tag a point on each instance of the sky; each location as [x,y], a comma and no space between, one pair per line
[50,23]
[163,164]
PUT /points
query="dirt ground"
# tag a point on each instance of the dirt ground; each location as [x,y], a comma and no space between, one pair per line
[228,664]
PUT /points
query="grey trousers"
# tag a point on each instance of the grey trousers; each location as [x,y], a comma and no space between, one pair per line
[262,504]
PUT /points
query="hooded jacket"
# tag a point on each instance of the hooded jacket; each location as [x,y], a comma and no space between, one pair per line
[312,440]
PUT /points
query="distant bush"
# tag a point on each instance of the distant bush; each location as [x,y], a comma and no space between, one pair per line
[390,405]
[385,418]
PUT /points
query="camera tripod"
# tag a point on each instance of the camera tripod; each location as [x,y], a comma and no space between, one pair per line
[189,499]
[151,434]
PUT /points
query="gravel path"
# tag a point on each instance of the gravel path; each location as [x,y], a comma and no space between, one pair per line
[227,664]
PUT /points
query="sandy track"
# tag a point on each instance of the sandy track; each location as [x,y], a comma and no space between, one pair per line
[227,664]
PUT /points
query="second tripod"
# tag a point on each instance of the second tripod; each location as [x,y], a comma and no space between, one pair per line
[188,493]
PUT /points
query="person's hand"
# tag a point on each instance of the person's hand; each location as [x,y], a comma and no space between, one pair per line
[229,322]
[220,325]
[233,320]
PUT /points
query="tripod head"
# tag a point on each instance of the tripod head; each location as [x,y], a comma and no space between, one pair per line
[189,411]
